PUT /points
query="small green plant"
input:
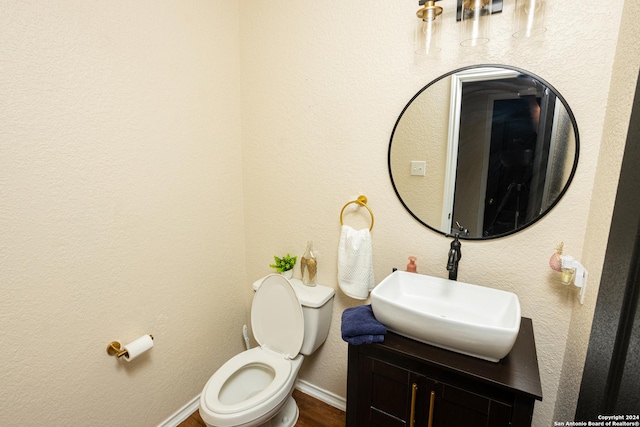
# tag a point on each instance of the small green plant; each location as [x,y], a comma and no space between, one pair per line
[284,264]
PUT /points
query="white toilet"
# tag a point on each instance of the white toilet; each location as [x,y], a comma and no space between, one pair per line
[254,388]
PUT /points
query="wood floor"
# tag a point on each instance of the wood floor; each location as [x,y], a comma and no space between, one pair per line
[313,413]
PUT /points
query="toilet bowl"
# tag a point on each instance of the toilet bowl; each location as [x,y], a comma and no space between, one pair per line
[250,387]
[254,387]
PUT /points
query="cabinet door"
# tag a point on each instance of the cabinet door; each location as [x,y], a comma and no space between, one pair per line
[455,407]
[391,396]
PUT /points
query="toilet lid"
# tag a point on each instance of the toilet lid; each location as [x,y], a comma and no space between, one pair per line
[276,316]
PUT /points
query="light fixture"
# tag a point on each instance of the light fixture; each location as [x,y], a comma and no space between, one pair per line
[474,15]
[428,28]
[528,18]
[475,22]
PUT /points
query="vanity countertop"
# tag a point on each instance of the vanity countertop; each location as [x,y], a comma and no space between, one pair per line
[518,371]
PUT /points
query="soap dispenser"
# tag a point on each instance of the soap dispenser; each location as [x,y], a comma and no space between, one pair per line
[411,267]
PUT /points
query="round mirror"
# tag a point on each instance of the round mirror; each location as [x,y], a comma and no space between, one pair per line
[491,148]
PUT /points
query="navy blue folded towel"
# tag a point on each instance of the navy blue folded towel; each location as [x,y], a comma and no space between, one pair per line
[359,326]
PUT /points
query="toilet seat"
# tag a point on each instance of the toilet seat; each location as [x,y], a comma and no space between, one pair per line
[257,408]
[256,383]
[214,398]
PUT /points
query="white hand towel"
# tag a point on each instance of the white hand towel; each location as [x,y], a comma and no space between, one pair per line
[355,262]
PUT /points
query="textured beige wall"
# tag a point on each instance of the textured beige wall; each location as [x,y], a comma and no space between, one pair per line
[323,84]
[625,74]
[121,206]
[124,152]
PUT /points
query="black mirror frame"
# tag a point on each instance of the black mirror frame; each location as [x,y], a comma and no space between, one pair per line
[551,206]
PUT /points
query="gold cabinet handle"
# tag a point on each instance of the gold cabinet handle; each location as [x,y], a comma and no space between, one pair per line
[432,400]
[414,390]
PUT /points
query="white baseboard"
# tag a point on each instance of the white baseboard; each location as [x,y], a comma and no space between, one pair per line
[314,391]
[182,414]
[322,395]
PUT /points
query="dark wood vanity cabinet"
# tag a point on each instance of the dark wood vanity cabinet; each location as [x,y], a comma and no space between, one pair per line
[392,383]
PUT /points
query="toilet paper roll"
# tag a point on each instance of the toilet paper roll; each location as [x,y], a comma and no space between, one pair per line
[137,347]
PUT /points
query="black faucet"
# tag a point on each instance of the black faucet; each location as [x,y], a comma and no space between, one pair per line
[455,253]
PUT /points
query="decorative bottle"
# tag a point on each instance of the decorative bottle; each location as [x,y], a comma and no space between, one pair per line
[309,266]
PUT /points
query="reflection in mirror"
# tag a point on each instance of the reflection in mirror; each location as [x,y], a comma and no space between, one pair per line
[500,146]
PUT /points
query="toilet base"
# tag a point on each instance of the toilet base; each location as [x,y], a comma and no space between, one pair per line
[286,417]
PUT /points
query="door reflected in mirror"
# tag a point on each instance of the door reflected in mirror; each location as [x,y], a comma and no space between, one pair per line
[500,146]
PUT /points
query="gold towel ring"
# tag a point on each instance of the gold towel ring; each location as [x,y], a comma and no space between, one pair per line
[362,201]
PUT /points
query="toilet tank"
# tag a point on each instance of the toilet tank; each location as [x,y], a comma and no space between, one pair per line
[317,309]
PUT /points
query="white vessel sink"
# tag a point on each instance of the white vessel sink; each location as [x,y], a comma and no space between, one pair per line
[474,320]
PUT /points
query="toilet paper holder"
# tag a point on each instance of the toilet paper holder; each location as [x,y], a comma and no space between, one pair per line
[115,349]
